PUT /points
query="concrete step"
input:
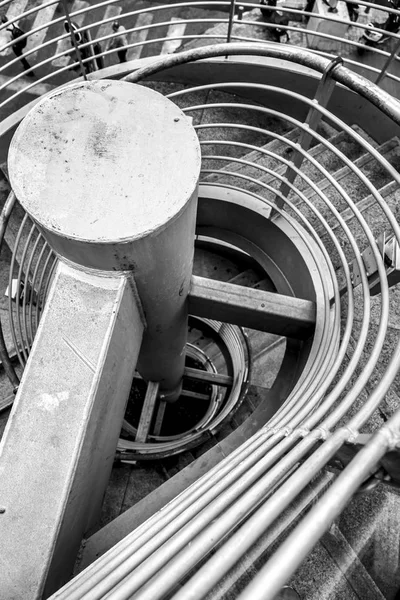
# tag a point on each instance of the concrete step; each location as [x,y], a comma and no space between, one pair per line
[368,534]
[317,152]
[351,183]
[356,190]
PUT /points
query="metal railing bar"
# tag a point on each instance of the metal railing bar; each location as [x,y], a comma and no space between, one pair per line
[347,332]
[109,2]
[301,407]
[29,290]
[10,305]
[294,549]
[193,498]
[380,337]
[153,9]
[20,276]
[387,104]
[182,556]
[318,34]
[315,372]
[332,18]
[338,123]
[230,21]
[32,331]
[321,97]
[152,555]
[73,41]
[49,257]
[388,63]
[301,392]
[381,8]
[148,42]
[253,148]
[156,9]
[23,15]
[72,64]
[248,533]
[4,356]
[93,25]
[310,495]
[101,39]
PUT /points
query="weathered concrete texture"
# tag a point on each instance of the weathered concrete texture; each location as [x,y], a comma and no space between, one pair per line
[68,412]
[68,153]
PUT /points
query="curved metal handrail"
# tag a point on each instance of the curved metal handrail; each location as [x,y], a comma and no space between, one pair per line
[18,85]
[271,446]
[243,483]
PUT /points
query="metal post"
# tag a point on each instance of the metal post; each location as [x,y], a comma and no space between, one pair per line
[73,40]
[388,63]
[118,205]
[230,24]
[91,51]
[321,98]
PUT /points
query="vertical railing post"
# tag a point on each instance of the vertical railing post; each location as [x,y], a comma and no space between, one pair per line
[390,59]
[232,10]
[118,206]
[73,40]
[321,98]
[91,51]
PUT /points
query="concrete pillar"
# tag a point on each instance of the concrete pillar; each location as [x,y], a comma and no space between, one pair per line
[109,172]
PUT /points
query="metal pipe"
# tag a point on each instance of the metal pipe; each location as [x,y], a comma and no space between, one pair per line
[179,538]
[73,39]
[295,548]
[388,63]
[198,495]
[21,354]
[4,357]
[353,81]
[230,23]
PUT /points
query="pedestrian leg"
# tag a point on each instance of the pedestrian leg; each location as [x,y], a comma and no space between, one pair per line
[122,55]
[18,52]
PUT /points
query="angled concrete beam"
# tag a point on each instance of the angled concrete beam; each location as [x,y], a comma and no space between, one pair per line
[275,313]
[67,416]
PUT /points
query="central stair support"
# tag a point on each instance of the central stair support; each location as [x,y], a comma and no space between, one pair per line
[117,205]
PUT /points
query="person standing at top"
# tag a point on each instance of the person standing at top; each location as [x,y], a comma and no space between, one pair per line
[90,50]
[18,45]
[119,41]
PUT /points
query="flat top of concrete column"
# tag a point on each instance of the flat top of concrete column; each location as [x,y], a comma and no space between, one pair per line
[104,161]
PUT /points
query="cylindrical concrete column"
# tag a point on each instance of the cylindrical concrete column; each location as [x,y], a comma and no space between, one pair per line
[108,171]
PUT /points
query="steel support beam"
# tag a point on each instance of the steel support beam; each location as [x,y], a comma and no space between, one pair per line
[248,307]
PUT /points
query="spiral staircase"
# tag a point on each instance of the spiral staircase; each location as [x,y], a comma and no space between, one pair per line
[277,465]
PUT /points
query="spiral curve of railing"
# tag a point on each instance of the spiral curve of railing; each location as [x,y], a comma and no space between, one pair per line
[253,486]
[51,52]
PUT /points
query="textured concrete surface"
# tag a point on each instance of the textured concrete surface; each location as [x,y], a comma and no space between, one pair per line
[68,147]
[68,413]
